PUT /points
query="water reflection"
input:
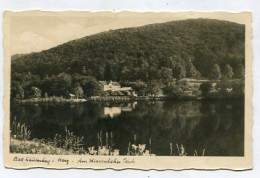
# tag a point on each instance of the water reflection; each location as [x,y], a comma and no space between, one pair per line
[116,111]
[217,126]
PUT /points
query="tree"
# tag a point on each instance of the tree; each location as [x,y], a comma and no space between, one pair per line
[238,87]
[178,71]
[125,73]
[135,54]
[215,72]
[90,86]
[227,72]
[144,68]
[109,73]
[240,72]
[64,83]
[58,85]
[166,75]
[100,73]
[17,91]
[149,48]
[140,88]
[84,71]
[224,86]
[154,73]
[171,89]
[231,87]
[78,91]
[154,88]
[34,92]
[205,88]
[198,75]
[175,88]
[191,70]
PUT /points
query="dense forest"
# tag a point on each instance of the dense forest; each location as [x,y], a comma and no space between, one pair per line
[156,53]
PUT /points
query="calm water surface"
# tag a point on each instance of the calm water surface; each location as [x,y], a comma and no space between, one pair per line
[217,126]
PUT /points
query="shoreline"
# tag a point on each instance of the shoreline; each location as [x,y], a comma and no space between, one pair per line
[124,99]
[50,100]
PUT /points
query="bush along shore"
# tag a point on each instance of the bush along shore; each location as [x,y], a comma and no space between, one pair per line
[186,89]
[70,144]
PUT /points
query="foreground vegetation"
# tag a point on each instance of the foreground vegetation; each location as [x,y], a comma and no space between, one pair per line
[35,147]
[70,144]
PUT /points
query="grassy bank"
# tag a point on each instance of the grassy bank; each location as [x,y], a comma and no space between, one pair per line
[70,144]
[50,100]
[35,147]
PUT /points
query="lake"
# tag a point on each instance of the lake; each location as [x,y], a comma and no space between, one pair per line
[214,125]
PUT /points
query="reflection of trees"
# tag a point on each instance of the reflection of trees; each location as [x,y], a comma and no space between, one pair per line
[227,123]
[226,114]
[196,124]
[161,121]
[26,113]
[215,122]
[222,125]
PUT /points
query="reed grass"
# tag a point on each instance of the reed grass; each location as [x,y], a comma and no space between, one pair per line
[20,131]
[69,143]
[139,149]
[106,149]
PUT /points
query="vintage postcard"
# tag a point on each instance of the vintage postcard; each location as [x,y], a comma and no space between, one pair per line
[128,90]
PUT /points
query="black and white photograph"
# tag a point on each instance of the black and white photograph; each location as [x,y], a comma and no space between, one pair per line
[128,84]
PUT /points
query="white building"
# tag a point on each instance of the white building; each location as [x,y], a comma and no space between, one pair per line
[115,86]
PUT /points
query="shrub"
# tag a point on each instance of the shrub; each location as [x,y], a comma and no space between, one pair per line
[205,88]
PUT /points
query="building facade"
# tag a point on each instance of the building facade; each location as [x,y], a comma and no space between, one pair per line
[115,86]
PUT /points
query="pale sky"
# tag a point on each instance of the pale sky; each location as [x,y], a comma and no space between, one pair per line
[34,33]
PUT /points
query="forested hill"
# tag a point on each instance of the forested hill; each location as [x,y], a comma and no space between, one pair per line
[143,53]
